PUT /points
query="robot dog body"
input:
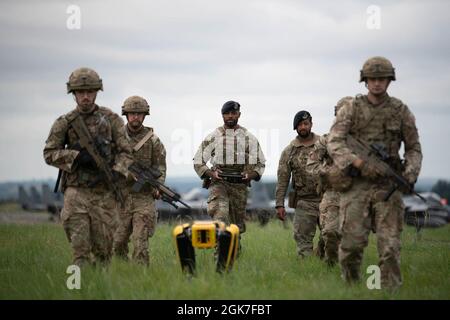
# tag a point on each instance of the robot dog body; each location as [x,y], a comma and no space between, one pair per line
[206,235]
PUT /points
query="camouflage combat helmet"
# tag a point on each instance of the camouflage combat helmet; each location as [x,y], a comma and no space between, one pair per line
[135,104]
[377,67]
[84,79]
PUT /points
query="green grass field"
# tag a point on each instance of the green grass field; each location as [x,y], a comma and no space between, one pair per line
[34,259]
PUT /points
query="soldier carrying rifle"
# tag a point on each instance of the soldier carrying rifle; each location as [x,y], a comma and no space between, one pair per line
[138,218]
[374,124]
[90,149]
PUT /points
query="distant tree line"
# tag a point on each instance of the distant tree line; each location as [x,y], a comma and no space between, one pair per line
[442,188]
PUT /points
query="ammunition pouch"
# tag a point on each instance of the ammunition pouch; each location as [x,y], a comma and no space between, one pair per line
[292,199]
[88,178]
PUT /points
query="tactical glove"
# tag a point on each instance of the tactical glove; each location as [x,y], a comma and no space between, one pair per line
[84,159]
[118,177]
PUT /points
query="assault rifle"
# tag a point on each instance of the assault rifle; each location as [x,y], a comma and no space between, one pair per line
[148,175]
[377,155]
[96,151]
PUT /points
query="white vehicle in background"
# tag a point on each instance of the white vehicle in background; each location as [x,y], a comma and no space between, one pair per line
[433,213]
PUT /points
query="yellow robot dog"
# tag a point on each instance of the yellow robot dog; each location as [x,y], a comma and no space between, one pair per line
[205,235]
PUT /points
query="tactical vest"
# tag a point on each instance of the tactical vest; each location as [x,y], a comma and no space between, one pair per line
[144,154]
[304,183]
[99,126]
[240,152]
[380,124]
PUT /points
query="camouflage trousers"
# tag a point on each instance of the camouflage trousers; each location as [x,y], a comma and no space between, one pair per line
[329,224]
[227,203]
[362,210]
[306,219]
[89,218]
[137,220]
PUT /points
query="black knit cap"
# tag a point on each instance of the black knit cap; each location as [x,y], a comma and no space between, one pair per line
[300,116]
[230,106]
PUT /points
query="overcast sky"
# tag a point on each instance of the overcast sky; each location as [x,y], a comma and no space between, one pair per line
[188,57]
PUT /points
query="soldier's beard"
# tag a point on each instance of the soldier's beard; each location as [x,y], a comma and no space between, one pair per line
[86,107]
[135,125]
[303,133]
[231,123]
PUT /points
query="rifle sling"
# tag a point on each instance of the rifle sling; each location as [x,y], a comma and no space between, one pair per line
[143,141]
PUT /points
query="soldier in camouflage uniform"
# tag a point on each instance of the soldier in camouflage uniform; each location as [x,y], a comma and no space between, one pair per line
[321,164]
[374,118]
[306,200]
[90,211]
[139,216]
[230,148]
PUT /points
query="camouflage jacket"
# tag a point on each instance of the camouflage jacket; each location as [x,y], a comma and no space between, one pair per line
[151,154]
[389,124]
[104,125]
[319,162]
[293,162]
[237,150]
